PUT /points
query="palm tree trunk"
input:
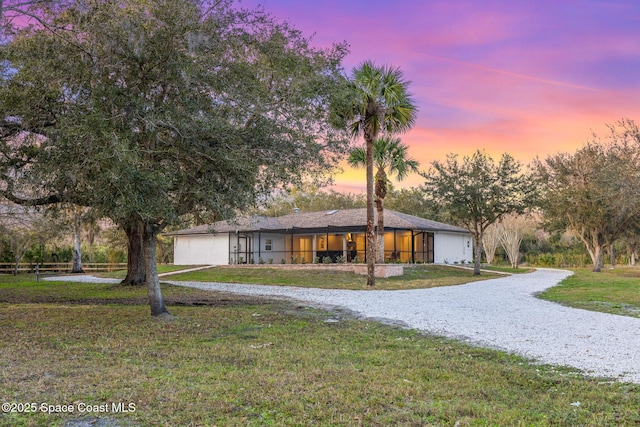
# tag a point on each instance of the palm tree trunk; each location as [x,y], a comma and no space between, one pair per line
[371,244]
[380,194]
[380,232]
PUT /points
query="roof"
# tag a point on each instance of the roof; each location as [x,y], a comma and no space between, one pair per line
[317,222]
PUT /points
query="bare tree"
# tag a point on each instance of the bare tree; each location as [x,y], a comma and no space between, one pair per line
[511,230]
[490,242]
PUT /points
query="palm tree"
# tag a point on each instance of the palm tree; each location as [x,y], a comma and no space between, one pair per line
[390,157]
[381,104]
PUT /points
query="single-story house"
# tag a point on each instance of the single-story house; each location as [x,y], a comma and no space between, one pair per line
[305,237]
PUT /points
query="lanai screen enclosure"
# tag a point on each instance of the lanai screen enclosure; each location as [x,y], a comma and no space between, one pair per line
[305,237]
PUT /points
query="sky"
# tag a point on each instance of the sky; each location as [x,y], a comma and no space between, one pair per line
[529,78]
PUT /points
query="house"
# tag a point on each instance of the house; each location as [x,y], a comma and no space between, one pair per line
[305,237]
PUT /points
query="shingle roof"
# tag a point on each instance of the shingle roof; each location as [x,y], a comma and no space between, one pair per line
[345,219]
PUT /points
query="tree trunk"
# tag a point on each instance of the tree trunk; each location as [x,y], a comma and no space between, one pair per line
[371,243]
[634,256]
[596,256]
[76,261]
[380,188]
[380,232]
[477,249]
[135,260]
[16,264]
[612,255]
[149,239]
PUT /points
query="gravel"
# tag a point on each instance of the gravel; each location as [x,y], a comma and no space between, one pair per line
[502,313]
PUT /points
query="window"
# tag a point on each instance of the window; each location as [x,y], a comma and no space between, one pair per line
[268,244]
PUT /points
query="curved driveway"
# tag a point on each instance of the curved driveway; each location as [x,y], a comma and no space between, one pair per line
[498,313]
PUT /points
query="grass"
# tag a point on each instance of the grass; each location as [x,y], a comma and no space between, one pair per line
[614,291]
[414,277]
[234,361]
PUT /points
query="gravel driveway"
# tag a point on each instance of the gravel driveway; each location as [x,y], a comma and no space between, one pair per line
[499,313]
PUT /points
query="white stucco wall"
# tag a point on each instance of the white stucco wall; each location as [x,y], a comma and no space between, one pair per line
[207,249]
[452,247]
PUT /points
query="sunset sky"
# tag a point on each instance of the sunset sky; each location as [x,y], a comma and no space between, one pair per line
[530,78]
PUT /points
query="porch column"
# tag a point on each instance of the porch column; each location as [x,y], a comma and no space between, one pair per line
[326,245]
[395,253]
[413,248]
[314,242]
[365,246]
[344,245]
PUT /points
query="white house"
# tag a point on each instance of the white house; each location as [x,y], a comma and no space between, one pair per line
[307,236]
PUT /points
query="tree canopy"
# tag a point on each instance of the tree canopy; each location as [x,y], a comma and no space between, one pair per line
[146,111]
[478,192]
[595,191]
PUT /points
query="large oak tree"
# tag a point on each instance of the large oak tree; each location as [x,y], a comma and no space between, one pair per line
[149,110]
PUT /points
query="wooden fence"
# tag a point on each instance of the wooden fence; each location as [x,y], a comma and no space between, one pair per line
[59,267]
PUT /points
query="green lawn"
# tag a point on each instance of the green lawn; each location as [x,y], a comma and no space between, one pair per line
[416,276]
[235,361]
[614,291]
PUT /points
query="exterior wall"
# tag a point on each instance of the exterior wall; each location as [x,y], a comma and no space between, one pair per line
[212,249]
[206,249]
[452,247]
[279,246]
